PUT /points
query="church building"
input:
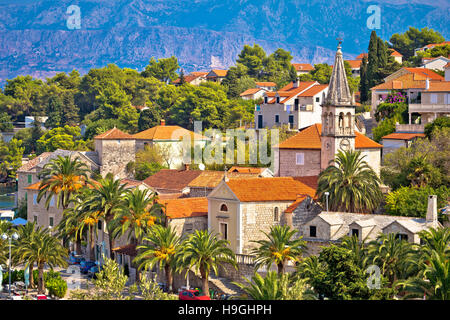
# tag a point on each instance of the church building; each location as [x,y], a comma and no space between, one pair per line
[310,151]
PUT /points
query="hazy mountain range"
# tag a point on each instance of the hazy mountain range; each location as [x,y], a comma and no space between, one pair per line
[35,39]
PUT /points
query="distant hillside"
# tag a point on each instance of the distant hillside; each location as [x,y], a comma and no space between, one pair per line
[202,33]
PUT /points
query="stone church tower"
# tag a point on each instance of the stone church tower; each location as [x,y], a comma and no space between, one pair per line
[338,114]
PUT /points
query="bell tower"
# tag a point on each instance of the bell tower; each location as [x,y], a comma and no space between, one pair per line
[338,114]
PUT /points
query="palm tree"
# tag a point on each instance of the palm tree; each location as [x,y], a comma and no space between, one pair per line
[435,283]
[68,226]
[42,248]
[276,287]
[161,247]
[106,198]
[392,255]
[135,216]
[420,170]
[437,240]
[352,184]
[358,248]
[279,248]
[26,233]
[62,177]
[203,251]
[5,227]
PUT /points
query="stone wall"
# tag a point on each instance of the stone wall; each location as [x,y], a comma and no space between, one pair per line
[39,211]
[289,168]
[114,155]
[186,226]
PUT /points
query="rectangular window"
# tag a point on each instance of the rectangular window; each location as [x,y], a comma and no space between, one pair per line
[35,219]
[260,121]
[224,230]
[355,232]
[312,231]
[278,99]
[317,99]
[50,221]
[30,179]
[35,199]
[99,225]
[277,118]
[433,98]
[188,227]
[401,236]
[265,99]
[52,202]
[300,159]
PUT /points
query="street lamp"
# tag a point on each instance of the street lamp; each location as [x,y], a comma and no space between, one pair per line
[326,195]
[5,237]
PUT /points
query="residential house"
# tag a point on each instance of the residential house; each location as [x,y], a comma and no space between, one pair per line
[412,81]
[240,210]
[262,172]
[302,68]
[398,57]
[253,94]
[430,46]
[268,85]
[195,78]
[216,75]
[298,105]
[170,141]
[355,66]
[396,140]
[331,227]
[437,63]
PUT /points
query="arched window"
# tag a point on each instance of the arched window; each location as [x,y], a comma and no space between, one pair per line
[276,214]
[341,120]
[224,208]
[349,121]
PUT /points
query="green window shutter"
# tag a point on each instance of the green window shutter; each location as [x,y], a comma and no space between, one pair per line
[29,178]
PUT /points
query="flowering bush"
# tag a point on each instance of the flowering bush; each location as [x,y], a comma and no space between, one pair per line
[395,96]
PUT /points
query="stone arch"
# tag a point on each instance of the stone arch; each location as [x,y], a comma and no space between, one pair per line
[341,120]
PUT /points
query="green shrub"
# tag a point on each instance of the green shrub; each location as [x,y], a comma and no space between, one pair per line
[16,275]
[56,287]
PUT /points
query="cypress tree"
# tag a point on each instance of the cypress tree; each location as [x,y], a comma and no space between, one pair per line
[363,84]
[372,66]
[182,80]
[382,54]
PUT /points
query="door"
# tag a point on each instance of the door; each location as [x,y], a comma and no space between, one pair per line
[260,121]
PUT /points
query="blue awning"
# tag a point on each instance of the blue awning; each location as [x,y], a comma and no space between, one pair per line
[19,222]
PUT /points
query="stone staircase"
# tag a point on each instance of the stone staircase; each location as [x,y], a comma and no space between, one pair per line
[223,285]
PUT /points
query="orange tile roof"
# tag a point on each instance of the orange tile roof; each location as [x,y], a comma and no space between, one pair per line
[211,179]
[303,66]
[266,84]
[166,133]
[403,136]
[311,181]
[289,91]
[34,186]
[310,138]
[172,180]
[361,56]
[439,86]
[405,81]
[185,207]
[311,92]
[220,73]
[246,169]
[269,189]
[250,91]
[395,53]
[354,64]
[436,44]
[192,76]
[114,134]
[424,73]
[33,162]
[295,204]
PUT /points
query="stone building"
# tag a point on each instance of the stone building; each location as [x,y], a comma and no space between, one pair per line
[240,210]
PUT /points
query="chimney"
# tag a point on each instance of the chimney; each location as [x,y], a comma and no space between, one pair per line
[186,166]
[432,209]
[427,84]
[295,83]
[163,122]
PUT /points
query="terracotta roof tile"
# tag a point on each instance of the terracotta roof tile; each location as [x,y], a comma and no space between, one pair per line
[303,66]
[220,73]
[269,189]
[266,84]
[246,169]
[310,138]
[250,91]
[439,86]
[211,179]
[395,53]
[311,181]
[354,64]
[171,180]
[166,133]
[403,136]
[114,134]
[424,73]
[311,92]
[361,56]
[185,207]
[33,162]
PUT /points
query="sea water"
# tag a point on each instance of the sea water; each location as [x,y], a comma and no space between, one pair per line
[7,197]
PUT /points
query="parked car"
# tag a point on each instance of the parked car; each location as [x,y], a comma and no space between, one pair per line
[41,297]
[191,295]
[74,259]
[86,265]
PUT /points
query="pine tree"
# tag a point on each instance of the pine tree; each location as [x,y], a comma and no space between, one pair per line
[381,53]
[182,80]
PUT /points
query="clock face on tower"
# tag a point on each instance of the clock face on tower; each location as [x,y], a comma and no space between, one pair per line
[345,144]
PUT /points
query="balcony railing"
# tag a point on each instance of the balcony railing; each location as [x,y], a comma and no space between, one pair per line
[245,259]
[413,107]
